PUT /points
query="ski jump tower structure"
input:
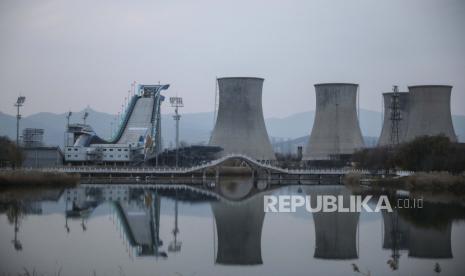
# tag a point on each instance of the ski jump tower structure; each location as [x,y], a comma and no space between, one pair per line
[240,127]
[137,137]
[336,129]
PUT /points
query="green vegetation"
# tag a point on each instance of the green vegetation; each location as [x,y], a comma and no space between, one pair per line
[433,181]
[426,153]
[32,179]
[10,154]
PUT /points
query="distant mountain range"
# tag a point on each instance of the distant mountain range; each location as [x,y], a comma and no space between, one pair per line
[195,128]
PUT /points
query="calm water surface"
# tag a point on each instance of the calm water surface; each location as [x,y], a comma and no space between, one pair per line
[129,230]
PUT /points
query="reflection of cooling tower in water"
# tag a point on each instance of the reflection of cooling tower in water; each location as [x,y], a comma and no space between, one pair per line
[335,232]
[336,129]
[240,127]
[430,111]
[396,231]
[234,188]
[239,230]
[430,242]
[403,107]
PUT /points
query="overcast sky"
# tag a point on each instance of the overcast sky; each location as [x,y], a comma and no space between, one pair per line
[69,54]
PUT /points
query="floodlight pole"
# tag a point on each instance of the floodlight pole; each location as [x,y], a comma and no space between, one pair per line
[177,117]
[176,102]
[19,102]
[18,117]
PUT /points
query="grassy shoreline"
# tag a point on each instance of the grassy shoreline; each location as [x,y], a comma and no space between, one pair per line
[421,181]
[36,179]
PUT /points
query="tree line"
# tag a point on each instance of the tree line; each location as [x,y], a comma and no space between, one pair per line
[10,154]
[425,153]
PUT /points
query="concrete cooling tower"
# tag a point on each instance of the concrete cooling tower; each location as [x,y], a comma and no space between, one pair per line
[336,129]
[403,108]
[240,127]
[430,112]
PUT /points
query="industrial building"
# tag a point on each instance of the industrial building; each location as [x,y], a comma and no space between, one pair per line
[430,112]
[194,155]
[137,138]
[240,127]
[33,137]
[336,131]
[40,157]
[35,153]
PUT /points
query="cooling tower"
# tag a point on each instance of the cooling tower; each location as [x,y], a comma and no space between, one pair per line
[336,129]
[240,127]
[403,107]
[430,112]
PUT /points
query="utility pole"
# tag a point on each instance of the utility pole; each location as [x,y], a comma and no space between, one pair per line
[176,102]
[395,116]
[19,102]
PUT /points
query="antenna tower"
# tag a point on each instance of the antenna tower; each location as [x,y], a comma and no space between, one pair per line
[395,116]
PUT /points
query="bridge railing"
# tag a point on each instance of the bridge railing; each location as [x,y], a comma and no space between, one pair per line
[260,163]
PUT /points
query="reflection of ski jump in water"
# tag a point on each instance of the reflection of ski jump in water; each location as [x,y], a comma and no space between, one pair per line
[141,224]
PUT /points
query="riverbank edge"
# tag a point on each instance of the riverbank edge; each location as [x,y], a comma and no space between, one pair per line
[420,181]
[37,179]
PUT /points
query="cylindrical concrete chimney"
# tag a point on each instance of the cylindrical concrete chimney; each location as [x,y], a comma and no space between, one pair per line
[403,108]
[240,127]
[430,111]
[336,129]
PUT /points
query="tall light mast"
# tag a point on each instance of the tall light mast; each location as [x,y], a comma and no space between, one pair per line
[176,102]
[19,102]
